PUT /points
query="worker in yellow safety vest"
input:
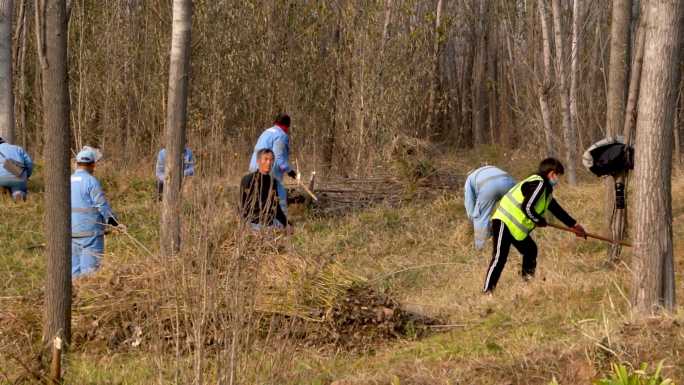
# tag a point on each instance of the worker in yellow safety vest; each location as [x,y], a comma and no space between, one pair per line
[519,212]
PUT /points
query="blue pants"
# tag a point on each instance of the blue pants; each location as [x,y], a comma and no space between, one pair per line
[86,254]
[282,196]
[16,186]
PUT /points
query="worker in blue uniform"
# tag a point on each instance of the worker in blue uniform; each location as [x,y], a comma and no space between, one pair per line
[16,168]
[484,187]
[90,213]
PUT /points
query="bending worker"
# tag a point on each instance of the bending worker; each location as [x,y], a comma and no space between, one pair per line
[259,197]
[519,212]
[188,168]
[90,212]
[16,167]
[276,139]
[483,189]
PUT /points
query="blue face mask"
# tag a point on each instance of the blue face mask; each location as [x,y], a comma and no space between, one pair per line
[553,182]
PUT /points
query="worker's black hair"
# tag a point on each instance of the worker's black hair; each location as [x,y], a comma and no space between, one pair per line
[263,151]
[551,164]
[283,119]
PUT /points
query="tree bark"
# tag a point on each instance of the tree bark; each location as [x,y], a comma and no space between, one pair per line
[479,89]
[57,186]
[545,87]
[6,87]
[176,119]
[653,267]
[429,129]
[577,19]
[569,133]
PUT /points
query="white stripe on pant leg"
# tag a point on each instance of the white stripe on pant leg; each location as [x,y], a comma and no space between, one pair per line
[496,257]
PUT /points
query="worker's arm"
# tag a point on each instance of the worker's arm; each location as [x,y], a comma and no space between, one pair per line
[561,214]
[532,192]
[159,169]
[28,163]
[245,190]
[469,197]
[100,203]
[189,166]
[281,151]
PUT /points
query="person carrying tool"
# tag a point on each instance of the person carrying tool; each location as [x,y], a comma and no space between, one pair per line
[259,204]
[276,139]
[188,168]
[483,189]
[90,212]
[16,168]
[519,212]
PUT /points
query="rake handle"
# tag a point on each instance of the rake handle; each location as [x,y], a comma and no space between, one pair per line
[590,235]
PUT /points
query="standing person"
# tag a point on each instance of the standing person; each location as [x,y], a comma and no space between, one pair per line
[188,168]
[90,211]
[519,212]
[483,189]
[259,196]
[276,139]
[16,168]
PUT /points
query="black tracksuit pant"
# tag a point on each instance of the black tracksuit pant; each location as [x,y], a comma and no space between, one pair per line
[502,245]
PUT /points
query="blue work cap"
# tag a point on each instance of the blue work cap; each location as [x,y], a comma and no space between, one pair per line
[88,155]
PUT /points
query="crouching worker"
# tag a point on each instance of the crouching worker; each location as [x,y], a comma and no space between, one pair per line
[16,167]
[90,212]
[259,205]
[483,189]
[519,212]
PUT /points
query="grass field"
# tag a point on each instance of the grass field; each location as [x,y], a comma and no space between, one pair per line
[570,323]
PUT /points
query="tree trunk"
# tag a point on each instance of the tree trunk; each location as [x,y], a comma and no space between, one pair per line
[21,101]
[176,118]
[615,99]
[577,19]
[57,186]
[569,133]
[545,87]
[618,217]
[6,88]
[479,89]
[429,129]
[653,284]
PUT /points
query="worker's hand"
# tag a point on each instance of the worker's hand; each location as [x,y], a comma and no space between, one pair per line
[542,223]
[292,174]
[579,231]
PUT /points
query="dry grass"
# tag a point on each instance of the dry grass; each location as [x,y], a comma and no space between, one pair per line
[139,320]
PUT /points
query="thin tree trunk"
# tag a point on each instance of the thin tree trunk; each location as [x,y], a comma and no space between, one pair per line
[545,87]
[569,133]
[57,186]
[653,266]
[577,19]
[479,90]
[429,129]
[6,87]
[176,119]
[21,101]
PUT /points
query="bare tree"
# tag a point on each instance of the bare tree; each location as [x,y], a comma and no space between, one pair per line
[57,186]
[653,284]
[435,69]
[577,19]
[545,87]
[176,120]
[569,133]
[6,88]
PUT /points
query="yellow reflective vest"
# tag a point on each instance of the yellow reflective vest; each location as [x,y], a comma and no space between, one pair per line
[511,212]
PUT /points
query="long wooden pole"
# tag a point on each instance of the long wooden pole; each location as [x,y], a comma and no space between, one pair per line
[590,235]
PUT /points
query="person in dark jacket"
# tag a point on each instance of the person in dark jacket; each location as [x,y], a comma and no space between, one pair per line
[519,212]
[259,201]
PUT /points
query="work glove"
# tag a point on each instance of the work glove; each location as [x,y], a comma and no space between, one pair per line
[542,223]
[292,174]
[579,231]
[112,222]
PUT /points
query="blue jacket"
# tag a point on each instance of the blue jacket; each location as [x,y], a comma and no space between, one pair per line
[15,153]
[483,189]
[89,207]
[277,140]
[188,163]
